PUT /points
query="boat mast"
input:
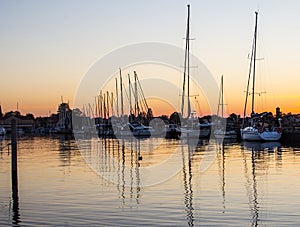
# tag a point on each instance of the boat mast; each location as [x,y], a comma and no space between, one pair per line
[186,72]
[221,99]
[121,89]
[107,103]
[136,107]
[222,96]
[188,61]
[104,106]
[100,104]
[112,103]
[117,97]
[130,104]
[254,60]
[96,106]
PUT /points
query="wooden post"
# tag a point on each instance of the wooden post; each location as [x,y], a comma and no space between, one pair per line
[14,173]
[14,154]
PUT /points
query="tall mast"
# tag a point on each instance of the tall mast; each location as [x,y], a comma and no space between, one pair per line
[130,105]
[254,60]
[121,89]
[186,71]
[222,96]
[117,97]
[135,96]
[104,106]
[96,106]
[107,103]
[188,61]
[100,104]
[112,103]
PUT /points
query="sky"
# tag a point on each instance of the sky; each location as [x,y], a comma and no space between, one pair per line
[47,47]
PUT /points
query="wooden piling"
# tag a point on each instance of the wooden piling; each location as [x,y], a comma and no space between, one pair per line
[14,154]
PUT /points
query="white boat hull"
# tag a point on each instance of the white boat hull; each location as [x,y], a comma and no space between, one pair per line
[250,134]
[270,136]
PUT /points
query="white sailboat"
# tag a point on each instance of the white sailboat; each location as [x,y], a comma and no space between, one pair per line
[223,133]
[256,130]
[193,129]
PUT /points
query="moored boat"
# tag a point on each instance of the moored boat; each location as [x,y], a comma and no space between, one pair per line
[256,131]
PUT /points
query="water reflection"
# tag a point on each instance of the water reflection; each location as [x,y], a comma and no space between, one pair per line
[261,146]
[67,148]
[120,159]
[187,183]
[242,187]
[221,167]
[15,206]
[260,158]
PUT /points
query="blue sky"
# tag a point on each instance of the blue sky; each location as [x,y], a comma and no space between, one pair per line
[48,46]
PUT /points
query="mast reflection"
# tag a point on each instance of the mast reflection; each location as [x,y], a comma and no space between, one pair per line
[120,160]
[187,183]
[221,166]
[251,186]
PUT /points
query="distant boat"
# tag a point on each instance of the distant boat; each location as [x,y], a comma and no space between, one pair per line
[256,130]
[195,129]
[133,129]
[2,131]
[223,133]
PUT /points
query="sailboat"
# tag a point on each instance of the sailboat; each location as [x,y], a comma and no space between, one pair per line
[256,130]
[223,133]
[194,128]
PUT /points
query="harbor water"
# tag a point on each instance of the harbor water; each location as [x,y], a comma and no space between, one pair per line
[244,184]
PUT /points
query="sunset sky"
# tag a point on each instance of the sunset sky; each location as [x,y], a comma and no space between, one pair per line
[47,47]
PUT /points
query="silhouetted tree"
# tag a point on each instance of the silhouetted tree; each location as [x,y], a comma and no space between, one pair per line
[175,118]
[30,116]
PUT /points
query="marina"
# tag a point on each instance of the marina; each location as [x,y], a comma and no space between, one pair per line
[162,120]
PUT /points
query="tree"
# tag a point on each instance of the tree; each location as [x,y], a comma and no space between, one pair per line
[30,116]
[149,114]
[12,113]
[175,118]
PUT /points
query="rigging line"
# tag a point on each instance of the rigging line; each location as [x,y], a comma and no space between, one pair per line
[219,101]
[188,62]
[144,99]
[254,63]
[143,106]
[248,82]
[126,93]
[185,63]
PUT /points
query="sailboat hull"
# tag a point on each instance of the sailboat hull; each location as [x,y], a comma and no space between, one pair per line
[270,136]
[250,134]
